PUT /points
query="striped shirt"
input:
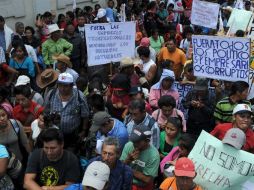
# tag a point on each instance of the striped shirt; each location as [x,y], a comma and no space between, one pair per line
[224,109]
[155,130]
[72,113]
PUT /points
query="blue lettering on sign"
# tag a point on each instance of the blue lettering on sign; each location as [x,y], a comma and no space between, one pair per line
[97,27]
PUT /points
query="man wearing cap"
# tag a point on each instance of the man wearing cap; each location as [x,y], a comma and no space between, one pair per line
[64,65]
[145,42]
[121,175]
[55,45]
[102,16]
[143,158]
[24,80]
[200,103]
[106,126]
[241,119]
[184,173]
[72,105]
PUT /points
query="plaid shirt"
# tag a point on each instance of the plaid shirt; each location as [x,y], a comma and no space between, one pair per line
[155,138]
[72,114]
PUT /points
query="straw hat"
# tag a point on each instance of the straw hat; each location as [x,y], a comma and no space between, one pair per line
[47,77]
[63,58]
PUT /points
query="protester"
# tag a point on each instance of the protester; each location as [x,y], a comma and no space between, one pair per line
[200,103]
[30,39]
[241,119]
[156,41]
[55,45]
[224,108]
[139,118]
[73,107]
[184,173]
[120,174]
[6,35]
[145,42]
[51,166]
[138,151]
[165,86]
[106,126]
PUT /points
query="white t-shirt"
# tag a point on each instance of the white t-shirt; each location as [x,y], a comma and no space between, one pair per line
[81,31]
[35,129]
[146,66]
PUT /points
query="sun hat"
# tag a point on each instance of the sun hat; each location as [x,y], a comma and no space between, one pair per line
[184,167]
[235,137]
[22,80]
[53,28]
[96,175]
[99,119]
[140,133]
[126,62]
[62,58]
[65,78]
[241,108]
[47,77]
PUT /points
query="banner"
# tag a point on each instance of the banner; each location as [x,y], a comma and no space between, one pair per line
[251,72]
[239,20]
[109,42]
[221,58]
[220,166]
[205,14]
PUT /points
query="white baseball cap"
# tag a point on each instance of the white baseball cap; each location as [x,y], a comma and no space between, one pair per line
[22,80]
[53,28]
[96,175]
[235,137]
[241,108]
[65,78]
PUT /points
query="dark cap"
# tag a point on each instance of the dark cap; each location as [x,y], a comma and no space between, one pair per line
[135,90]
[140,133]
[99,119]
[201,84]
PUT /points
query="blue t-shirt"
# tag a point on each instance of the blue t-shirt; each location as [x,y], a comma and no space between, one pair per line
[3,152]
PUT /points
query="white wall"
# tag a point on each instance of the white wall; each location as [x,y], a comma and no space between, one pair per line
[26,10]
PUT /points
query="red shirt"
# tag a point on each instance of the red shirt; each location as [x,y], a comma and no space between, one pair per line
[220,130]
[21,115]
[3,74]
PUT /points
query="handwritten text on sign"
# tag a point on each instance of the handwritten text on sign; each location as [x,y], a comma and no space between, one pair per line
[221,57]
[221,166]
[109,42]
[205,13]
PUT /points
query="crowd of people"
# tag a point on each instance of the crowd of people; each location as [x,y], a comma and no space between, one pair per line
[65,125]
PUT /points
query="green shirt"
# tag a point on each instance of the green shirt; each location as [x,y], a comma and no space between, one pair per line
[50,48]
[147,162]
[224,109]
[157,45]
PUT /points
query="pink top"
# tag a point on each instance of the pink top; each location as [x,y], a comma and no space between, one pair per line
[161,119]
[174,153]
[155,95]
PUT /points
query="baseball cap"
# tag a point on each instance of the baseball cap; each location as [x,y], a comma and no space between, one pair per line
[99,119]
[241,108]
[145,42]
[101,13]
[96,175]
[135,90]
[65,78]
[22,80]
[184,167]
[235,137]
[140,133]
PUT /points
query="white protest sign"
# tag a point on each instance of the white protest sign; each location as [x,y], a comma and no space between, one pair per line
[221,58]
[205,14]
[220,166]
[251,72]
[107,42]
